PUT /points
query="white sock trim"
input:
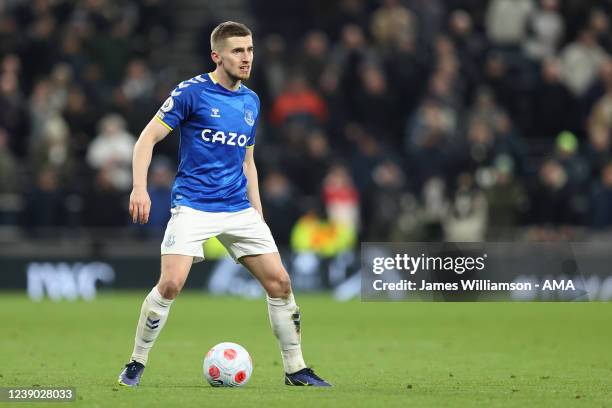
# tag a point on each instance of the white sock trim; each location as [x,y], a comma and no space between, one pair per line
[157,297]
[281,301]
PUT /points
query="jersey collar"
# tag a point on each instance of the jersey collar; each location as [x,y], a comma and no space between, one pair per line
[212,77]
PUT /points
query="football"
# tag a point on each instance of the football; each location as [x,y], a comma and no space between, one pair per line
[228,365]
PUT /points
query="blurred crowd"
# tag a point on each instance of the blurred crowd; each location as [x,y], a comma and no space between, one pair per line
[381,120]
[77,83]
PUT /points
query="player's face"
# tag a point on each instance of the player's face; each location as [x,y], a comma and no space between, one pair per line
[237,57]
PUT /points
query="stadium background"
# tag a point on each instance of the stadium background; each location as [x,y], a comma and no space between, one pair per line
[406,120]
[381,121]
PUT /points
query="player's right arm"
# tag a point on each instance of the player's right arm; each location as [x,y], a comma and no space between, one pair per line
[172,113]
[140,203]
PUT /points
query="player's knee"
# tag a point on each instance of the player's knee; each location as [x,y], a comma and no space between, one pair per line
[284,285]
[280,286]
[169,289]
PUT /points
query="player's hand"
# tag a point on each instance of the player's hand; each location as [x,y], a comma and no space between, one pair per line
[140,206]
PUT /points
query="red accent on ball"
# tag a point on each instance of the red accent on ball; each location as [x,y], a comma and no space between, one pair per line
[229,354]
[214,372]
[240,376]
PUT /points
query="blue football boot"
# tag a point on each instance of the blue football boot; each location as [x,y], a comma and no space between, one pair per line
[305,377]
[130,376]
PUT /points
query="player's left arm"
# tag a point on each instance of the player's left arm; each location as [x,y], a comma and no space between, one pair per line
[250,171]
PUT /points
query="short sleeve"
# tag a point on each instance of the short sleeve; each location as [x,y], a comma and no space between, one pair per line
[177,107]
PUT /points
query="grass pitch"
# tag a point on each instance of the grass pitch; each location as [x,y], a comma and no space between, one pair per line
[376,354]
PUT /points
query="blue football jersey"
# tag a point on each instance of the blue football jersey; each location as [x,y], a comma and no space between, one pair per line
[215,127]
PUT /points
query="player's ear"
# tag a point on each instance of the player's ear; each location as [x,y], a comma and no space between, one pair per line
[215,57]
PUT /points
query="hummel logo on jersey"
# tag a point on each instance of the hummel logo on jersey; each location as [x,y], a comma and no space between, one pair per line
[232,138]
[214,113]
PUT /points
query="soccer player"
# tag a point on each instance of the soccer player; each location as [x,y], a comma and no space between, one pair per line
[215,193]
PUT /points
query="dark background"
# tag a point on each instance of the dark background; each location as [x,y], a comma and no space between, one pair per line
[415,120]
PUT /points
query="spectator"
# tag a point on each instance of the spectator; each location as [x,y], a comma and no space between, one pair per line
[581,60]
[434,198]
[499,79]
[366,155]
[551,196]
[480,148]
[601,211]
[10,38]
[346,59]
[52,149]
[443,85]
[467,219]
[598,151]
[112,150]
[553,104]
[45,201]
[138,84]
[430,15]
[43,106]
[81,119]
[13,113]
[601,112]
[104,205]
[392,21]
[313,57]
[507,200]
[278,201]
[40,37]
[510,143]
[547,27]
[155,23]
[599,22]
[9,180]
[383,201]
[485,108]
[60,79]
[341,197]
[469,46]
[271,77]
[430,141]
[298,102]
[406,69]
[506,21]
[375,105]
[336,89]
[568,156]
[309,163]
[353,12]
[111,45]
[71,50]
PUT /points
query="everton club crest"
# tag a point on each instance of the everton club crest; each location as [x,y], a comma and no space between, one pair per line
[249,117]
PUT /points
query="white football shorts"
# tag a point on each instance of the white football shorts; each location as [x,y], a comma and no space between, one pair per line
[241,233]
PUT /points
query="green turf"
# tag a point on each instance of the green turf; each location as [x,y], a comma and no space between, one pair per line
[376,354]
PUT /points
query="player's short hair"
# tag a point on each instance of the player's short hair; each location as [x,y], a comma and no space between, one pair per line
[227,30]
